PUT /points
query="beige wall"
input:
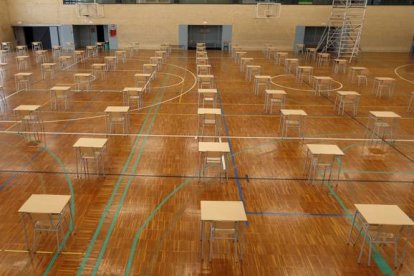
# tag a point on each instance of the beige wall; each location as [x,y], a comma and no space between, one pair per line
[5,29]
[153,24]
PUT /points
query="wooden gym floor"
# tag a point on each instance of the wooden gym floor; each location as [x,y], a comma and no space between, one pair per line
[145,213]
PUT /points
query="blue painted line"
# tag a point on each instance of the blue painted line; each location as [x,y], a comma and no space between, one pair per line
[233,160]
[292,214]
[25,165]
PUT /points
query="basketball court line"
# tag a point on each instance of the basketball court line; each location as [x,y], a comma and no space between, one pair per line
[195,136]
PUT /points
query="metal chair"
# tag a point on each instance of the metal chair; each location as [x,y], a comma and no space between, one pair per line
[381,235]
[223,230]
[46,223]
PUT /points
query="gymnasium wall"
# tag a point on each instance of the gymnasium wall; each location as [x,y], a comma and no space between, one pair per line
[5,29]
[387,28]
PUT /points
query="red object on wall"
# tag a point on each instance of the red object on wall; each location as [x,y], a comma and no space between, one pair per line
[112,32]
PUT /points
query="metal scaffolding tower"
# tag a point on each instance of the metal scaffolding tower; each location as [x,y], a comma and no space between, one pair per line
[342,36]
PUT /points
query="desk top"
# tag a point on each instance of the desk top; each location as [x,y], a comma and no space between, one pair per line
[253,66]
[348,93]
[48,64]
[23,74]
[60,88]
[98,64]
[91,47]
[322,78]
[82,74]
[358,68]
[262,77]
[150,64]
[202,111]
[384,114]
[213,147]
[110,57]
[340,60]
[203,65]
[324,149]
[142,75]
[291,59]
[90,143]
[282,53]
[45,204]
[137,89]
[207,90]
[384,78]
[65,57]
[305,67]
[40,51]
[247,58]
[222,211]
[383,214]
[117,109]
[27,107]
[22,57]
[205,76]
[275,92]
[79,51]
[293,112]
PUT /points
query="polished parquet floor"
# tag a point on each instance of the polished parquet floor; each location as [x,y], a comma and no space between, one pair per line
[145,214]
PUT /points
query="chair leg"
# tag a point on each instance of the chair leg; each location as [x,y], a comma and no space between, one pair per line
[361,251]
[369,252]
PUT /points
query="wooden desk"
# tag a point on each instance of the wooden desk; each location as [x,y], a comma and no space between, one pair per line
[340,64]
[221,211]
[83,78]
[117,114]
[79,55]
[31,124]
[97,147]
[314,160]
[289,63]
[382,124]
[379,81]
[110,62]
[64,61]
[143,80]
[99,70]
[280,57]
[23,78]
[23,62]
[203,69]
[251,71]
[355,70]
[91,50]
[290,115]
[205,80]
[48,68]
[269,93]
[300,70]
[59,93]
[45,204]
[133,93]
[260,80]
[244,62]
[379,215]
[121,54]
[342,97]
[207,94]
[239,55]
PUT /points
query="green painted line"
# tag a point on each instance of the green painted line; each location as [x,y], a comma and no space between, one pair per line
[124,194]
[379,260]
[147,221]
[114,192]
[379,172]
[72,210]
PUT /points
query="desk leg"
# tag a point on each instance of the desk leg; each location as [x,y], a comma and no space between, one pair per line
[26,238]
[408,229]
[77,161]
[352,227]
[202,240]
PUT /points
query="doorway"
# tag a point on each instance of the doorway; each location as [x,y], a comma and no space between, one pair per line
[85,35]
[211,35]
[26,35]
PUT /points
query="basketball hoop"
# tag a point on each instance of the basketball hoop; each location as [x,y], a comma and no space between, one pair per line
[90,10]
[268,10]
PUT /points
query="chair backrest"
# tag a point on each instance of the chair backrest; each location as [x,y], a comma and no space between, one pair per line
[44,221]
[86,152]
[386,233]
